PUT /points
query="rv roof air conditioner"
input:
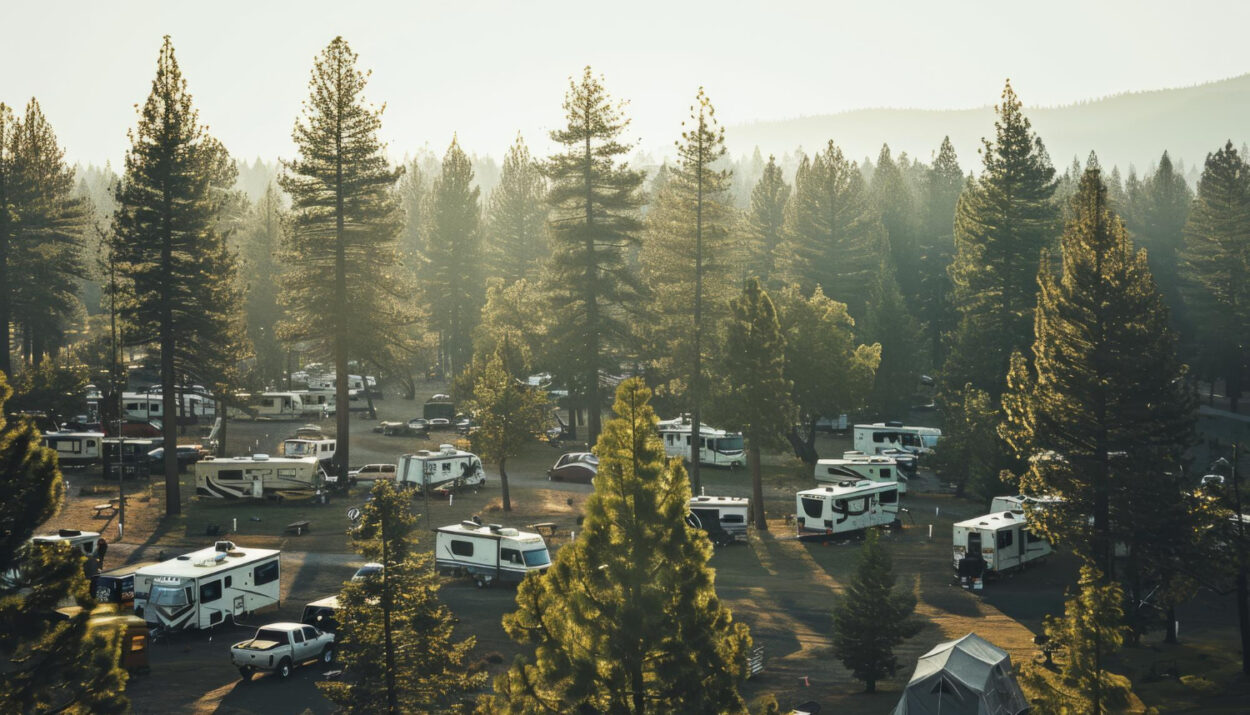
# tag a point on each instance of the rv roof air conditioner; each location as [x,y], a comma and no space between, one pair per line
[224,546]
[447,449]
[259,457]
[469,524]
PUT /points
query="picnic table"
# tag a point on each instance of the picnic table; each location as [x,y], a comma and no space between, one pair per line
[299,527]
[101,508]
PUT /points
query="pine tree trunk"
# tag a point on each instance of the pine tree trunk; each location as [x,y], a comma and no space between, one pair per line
[342,413]
[503,484]
[757,487]
[870,685]
[169,427]
[6,339]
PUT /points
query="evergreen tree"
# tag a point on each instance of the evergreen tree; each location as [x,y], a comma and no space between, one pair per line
[686,265]
[1157,210]
[594,198]
[1104,413]
[513,318]
[1089,633]
[1215,262]
[510,415]
[395,634]
[754,394]
[833,232]
[1004,219]
[260,269]
[765,225]
[943,183]
[890,324]
[517,217]
[829,374]
[46,267]
[970,454]
[51,665]
[896,204]
[169,249]
[870,618]
[413,194]
[627,619]
[340,244]
[451,276]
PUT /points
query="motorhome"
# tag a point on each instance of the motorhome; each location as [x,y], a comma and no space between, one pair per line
[717,447]
[994,543]
[127,457]
[489,552]
[320,447]
[208,587]
[448,468]
[257,476]
[75,449]
[861,466]
[875,438]
[845,507]
[723,518]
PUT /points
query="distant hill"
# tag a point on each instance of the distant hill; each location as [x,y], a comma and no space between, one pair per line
[1123,129]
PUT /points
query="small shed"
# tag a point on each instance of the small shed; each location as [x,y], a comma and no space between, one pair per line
[968,676]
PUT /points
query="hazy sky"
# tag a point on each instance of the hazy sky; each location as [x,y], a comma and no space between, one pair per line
[489,69]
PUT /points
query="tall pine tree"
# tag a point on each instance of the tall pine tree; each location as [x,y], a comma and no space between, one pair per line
[594,198]
[261,241]
[891,325]
[765,226]
[627,619]
[897,206]
[169,248]
[1156,215]
[341,242]
[517,217]
[943,184]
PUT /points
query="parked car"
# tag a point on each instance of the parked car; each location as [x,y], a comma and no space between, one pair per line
[322,614]
[371,472]
[188,454]
[279,647]
[366,571]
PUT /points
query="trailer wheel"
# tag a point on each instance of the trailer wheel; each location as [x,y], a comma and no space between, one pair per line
[327,655]
[245,671]
[284,668]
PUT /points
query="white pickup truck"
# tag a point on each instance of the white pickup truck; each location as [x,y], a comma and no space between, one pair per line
[279,647]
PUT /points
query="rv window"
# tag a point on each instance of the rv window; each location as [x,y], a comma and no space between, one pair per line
[286,474]
[90,443]
[1032,538]
[669,437]
[885,474]
[729,444]
[733,519]
[879,437]
[210,592]
[265,573]
[69,446]
[155,407]
[446,466]
[229,580]
[855,507]
[812,507]
[230,474]
[910,440]
[839,506]
[132,405]
[512,556]
[462,548]
[889,496]
[537,557]
[1004,539]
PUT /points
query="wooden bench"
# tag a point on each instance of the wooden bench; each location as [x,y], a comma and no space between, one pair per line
[299,527]
[545,528]
[101,508]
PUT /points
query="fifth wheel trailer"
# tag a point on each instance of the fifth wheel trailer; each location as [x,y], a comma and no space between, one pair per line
[845,507]
[993,544]
[257,476]
[856,466]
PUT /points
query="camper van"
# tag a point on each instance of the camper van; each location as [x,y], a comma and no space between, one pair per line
[723,518]
[257,476]
[717,447]
[845,507]
[208,587]
[489,552]
[448,468]
[993,544]
[875,438]
[75,449]
[861,466]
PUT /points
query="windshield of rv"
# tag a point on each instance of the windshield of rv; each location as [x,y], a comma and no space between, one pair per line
[537,557]
[929,440]
[729,444]
[299,448]
[168,596]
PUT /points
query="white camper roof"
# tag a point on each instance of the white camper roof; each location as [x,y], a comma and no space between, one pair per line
[741,502]
[206,562]
[445,451]
[492,531]
[968,675]
[994,521]
[849,488]
[256,459]
[858,458]
[682,425]
[894,426]
[74,536]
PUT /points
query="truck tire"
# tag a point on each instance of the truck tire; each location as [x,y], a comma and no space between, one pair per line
[327,655]
[245,671]
[284,669]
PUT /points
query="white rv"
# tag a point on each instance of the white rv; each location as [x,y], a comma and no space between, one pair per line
[75,449]
[315,401]
[845,507]
[856,466]
[83,541]
[994,543]
[257,476]
[196,402]
[489,552]
[207,587]
[320,447]
[279,405]
[1021,503]
[723,517]
[878,437]
[716,446]
[446,468]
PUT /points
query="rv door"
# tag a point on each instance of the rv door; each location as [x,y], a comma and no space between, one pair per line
[974,543]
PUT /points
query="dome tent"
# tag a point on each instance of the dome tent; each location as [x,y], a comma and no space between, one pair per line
[968,676]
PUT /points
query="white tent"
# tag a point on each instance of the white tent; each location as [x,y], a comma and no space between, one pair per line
[969,676]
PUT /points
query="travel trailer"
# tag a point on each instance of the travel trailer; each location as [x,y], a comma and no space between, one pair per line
[257,476]
[994,543]
[845,507]
[316,401]
[1021,503]
[858,466]
[196,402]
[84,541]
[875,438]
[208,587]
[278,405]
[127,456]
[448,468]
[723,518]
[580,467]
[75,449]
[489,552]
[717,447]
